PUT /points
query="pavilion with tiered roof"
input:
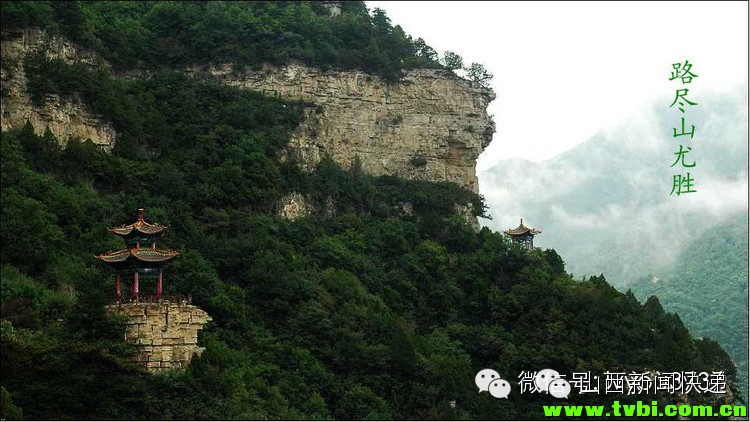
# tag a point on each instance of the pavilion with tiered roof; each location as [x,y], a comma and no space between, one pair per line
[141,258]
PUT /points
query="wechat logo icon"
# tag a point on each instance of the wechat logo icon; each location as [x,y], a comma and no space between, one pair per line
[489,380]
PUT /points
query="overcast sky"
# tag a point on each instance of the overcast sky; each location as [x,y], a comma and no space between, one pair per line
[566,70]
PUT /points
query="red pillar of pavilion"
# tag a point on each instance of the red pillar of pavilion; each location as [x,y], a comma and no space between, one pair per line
[135,286]
[159,286]
[118,288]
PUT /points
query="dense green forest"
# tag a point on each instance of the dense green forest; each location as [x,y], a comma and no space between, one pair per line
[144,34]
[361,315]
[708,288]
[357,311]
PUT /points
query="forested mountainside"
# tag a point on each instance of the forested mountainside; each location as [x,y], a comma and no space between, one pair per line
[133,34]
[382,303]
[708,288]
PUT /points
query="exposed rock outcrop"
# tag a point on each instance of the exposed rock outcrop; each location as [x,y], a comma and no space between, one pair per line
[432,125]
[166,333]
[293,206]
[65,117]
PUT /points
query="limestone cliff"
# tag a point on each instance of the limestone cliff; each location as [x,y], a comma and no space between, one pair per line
[432,125]
[65,117]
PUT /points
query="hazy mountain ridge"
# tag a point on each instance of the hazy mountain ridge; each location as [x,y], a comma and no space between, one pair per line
[708,288]
[613,191]
[605,207]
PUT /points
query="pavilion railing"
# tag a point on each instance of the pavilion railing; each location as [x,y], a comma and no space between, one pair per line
[129,298]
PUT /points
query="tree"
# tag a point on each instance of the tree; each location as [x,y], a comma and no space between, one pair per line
[452,60]
[423,50]
[381,22]
[8,410]
[478,75]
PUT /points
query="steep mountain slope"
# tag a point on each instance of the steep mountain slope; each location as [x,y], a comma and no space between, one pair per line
[424,123]
[382,303]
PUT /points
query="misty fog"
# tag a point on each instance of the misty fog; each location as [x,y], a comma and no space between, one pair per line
[605,205]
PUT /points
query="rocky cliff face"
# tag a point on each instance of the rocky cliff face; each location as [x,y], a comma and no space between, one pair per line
[431,125]
[65,117]
[166,333]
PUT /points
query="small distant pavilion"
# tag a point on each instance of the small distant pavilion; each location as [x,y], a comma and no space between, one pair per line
[523,236]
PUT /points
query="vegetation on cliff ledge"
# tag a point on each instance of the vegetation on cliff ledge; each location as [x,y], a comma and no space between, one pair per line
[145,34]
[359,310]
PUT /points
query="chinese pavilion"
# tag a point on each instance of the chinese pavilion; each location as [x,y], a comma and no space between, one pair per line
[523,236]
[141,258]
